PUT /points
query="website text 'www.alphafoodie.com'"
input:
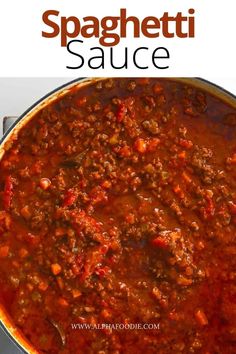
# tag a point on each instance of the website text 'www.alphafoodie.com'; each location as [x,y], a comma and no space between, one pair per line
[115,326]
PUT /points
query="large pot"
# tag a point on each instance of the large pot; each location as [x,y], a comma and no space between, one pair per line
[5,321]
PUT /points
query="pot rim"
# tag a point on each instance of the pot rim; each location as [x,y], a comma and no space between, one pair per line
[203,84]
[11,134]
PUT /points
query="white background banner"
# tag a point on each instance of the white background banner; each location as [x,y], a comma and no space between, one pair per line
[24,52]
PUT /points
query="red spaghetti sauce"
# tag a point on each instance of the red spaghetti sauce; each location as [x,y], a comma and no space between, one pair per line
[118,206]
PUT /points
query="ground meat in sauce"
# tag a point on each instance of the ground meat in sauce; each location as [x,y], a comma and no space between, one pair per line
[118,205]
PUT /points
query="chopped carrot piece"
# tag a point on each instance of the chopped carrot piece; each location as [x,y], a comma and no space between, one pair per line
[201,317]
[30,287]
[177,190]
[43,286]
[25,212]
[186,177]
[60,232]
[143,81]
[152,144]
[60,282]
[156,293]
[157,88]
[56,268]
[125,151]
[4,251]
[182,155]
[186,143]
[184,281]
[23,253]
[5,220]
[130,218]
[233,159]
[63,302]
[106,184]
[76,293]
[81,101]
[105,313]
[140,145]
[200,245]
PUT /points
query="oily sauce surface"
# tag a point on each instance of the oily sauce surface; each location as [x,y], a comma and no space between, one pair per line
[118,206]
